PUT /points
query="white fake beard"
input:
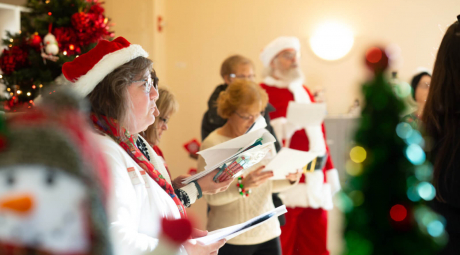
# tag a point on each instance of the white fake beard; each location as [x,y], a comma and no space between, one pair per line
[294,74]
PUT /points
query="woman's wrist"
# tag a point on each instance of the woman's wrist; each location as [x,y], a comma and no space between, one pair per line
[198,187]
[241,188]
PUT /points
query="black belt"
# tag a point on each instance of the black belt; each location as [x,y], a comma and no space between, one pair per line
[317,164]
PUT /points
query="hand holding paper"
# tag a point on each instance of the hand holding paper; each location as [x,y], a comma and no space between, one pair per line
[209,186]
[288,161]
[194,247]
[294,177]
[232,231]
[252,147]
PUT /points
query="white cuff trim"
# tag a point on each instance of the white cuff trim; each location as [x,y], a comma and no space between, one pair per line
[191,191]
[332,177]
[315,193]
[278,126]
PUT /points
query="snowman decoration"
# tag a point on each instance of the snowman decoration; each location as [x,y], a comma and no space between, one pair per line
[51,48]
[51,200]
[51,44]
[43,207]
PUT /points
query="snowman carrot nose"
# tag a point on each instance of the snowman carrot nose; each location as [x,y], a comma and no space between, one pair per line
[19,204]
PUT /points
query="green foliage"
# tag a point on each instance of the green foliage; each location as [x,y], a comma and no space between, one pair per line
[382,184]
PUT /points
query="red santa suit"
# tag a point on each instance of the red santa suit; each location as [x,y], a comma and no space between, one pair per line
[305,231]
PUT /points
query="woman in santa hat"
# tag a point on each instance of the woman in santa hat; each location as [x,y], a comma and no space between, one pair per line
[116,78]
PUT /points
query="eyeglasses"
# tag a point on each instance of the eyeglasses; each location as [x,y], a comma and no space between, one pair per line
[289,55]
[250,117]
[149,83]
[243,77]
[165,121]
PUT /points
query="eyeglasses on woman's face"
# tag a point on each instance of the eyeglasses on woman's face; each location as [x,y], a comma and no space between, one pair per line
[149,83]
[163,120]
[250,117]
[250,77]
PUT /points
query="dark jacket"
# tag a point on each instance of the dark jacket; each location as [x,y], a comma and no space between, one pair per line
[211,121]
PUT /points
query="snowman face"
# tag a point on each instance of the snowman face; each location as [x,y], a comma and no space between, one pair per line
[43,208]
[49,38]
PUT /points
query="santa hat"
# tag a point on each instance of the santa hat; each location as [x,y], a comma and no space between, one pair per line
[276,46]
[86,71]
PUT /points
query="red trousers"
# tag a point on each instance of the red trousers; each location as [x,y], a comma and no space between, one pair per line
[305,232]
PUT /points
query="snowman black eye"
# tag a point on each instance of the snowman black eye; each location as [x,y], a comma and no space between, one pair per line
[50,178]
[10,180]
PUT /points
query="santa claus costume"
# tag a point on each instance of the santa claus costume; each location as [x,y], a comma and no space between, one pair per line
[305,231]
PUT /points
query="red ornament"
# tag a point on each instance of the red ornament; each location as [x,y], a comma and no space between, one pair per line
[35,40]
[376,59]
[398,212]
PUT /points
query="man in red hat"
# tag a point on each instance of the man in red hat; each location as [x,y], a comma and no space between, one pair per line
[305,231]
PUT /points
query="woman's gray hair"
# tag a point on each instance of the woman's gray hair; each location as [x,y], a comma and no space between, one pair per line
[110,96]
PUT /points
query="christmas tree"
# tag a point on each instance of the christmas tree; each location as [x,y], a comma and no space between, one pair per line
[52,33]
[388,182]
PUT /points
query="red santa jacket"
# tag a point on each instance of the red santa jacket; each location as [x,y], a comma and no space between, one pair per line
[316,188]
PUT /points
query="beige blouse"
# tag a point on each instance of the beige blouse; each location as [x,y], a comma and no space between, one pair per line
[230,208]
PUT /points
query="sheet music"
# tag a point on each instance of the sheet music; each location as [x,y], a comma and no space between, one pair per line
[306,114]
[235,230]
[288,161]
[217,155]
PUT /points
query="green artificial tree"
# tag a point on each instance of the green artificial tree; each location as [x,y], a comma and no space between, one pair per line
[388,181]
[52,33]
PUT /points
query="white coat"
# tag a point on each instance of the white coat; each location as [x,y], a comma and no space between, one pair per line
[136,202]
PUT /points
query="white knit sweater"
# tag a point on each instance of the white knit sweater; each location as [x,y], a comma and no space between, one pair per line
[230,208]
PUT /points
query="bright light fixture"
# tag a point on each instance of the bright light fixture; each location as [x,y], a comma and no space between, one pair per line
[332,41]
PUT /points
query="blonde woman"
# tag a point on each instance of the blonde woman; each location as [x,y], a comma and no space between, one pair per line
[188,194]
[167,105]
[241,104]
